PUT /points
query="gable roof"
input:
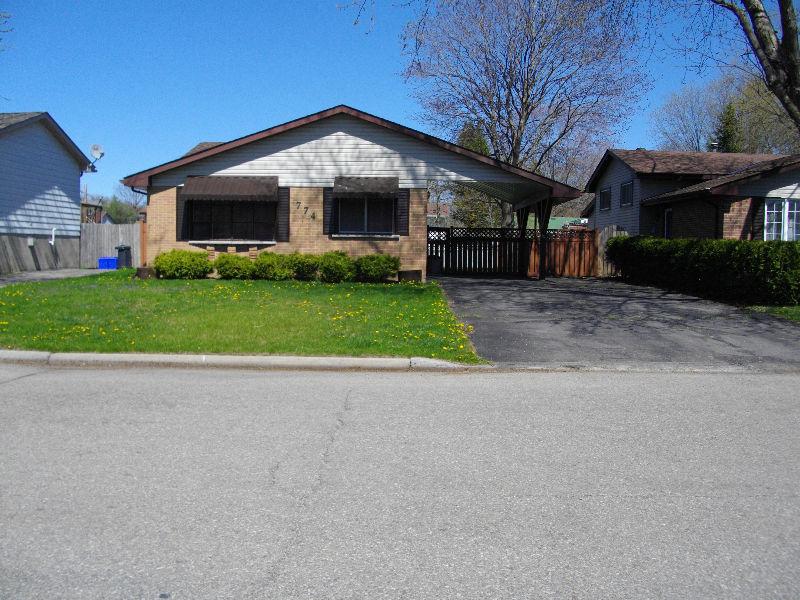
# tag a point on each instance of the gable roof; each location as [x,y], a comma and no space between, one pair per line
[142,178]
[572,208]
[723,184]
[669,162]
[13,121]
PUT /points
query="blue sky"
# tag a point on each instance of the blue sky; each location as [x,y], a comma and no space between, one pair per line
[148,80]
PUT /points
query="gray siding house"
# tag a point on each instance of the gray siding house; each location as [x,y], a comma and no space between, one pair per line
[694,194]
[40,205]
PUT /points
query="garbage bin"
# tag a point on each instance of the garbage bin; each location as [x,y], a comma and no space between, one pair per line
[123,256]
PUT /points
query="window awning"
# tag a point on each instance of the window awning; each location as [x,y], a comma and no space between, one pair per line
[231,188]
[366,187]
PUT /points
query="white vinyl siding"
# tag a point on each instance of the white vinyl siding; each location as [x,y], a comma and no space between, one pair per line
[781,185]
[311,156]
[39,184]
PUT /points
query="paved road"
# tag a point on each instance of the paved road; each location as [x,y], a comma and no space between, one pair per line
[602,322]
[225,484]
[9,278]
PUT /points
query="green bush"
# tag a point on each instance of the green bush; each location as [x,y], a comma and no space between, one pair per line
[335,267]
[304,266]
[376,267]
[737,271]
[182,264]
[272,266]
[234,266]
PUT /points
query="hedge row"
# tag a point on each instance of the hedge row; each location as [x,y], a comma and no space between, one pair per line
[742,272]
[331,267]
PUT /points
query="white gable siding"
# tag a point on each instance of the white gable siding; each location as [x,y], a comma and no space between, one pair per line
[311,156]
[39,184]
[627,217]
[782,185]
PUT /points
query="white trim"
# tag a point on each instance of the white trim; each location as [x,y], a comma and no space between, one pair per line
[784,212]
[365,236]
[234,242]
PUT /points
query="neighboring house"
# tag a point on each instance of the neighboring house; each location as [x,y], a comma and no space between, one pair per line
[91,212]
[40,203]
[696,194]
[340,179]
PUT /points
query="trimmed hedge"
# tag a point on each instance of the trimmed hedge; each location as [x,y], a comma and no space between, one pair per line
[234,266]
[182,264]
[304,266]
[335,267]
[741,272]
[273,267]
[376,267]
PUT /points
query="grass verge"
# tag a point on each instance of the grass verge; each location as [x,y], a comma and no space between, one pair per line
[113,313]
[787,312]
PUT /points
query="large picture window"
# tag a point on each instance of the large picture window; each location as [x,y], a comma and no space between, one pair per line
[232,220]
[782,220]
[366,216]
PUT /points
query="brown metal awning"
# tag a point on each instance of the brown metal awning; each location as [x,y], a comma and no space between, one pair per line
[366,187]
[231,188]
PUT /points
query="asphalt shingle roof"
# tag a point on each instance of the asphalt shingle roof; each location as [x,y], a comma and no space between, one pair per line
[668,162]
[8,119]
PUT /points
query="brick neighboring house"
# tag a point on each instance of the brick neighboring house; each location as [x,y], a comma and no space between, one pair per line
[340,179]
[697,194]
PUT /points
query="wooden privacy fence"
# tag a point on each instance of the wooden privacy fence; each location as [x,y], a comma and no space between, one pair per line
[498,251]
[101,239]
[570,253]
[477,250]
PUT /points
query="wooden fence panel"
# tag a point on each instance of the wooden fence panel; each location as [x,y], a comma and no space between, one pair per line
[569,254]
[605,268]
[100,239]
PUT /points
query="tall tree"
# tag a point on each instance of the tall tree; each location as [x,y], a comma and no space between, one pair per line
[768,32]
[472,208]
[728,132]
[540,78]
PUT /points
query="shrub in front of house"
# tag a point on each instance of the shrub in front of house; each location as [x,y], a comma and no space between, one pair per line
[738,271]
[335,267]
[182,264]
[304,266]
[375,268]
[234,266]
[272,267]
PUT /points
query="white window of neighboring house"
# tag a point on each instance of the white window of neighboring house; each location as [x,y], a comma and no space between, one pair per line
[604,201]
[626,194]
[782,219]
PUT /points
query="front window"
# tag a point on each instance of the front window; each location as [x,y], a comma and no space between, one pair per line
[366,216]
[604,201]
[229,220]
[626,194]
[782,220]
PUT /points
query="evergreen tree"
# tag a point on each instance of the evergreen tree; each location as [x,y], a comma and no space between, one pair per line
[728,133]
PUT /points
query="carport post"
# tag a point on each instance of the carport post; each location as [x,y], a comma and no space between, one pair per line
[543,210]
[524,253]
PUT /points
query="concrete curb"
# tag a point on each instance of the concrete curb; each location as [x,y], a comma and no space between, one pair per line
[265,363]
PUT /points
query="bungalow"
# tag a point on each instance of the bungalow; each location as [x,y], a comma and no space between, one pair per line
[697,194]
[339,179]
[40,201]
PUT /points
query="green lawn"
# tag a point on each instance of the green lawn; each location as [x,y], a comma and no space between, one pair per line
[114,313]
[787,312]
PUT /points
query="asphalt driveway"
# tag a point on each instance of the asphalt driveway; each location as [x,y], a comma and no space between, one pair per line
[604,323]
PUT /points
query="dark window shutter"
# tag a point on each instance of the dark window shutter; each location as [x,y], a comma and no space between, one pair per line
[282,229]
[184,210]
[401,212]
[329,214]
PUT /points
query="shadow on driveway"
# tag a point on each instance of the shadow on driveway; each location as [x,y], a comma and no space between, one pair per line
[597,322]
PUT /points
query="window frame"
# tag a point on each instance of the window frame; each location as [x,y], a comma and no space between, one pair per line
[600,199]
[365,212]
[785,204]
[623,186]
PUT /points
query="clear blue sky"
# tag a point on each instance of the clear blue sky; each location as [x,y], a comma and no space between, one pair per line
[148,80]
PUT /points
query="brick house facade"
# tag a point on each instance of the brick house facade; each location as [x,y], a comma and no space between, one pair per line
[340,179]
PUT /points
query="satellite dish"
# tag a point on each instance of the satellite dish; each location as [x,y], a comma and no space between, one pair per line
[97,151]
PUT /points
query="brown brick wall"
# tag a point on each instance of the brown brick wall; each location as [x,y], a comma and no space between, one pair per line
[743,218]
[165,210]
[729,218]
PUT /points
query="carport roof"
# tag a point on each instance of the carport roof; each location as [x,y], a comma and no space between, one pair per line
[557,190]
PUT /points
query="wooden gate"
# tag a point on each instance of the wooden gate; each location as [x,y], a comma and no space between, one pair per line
[101,239]
[570,253]
[477,250]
